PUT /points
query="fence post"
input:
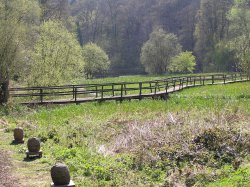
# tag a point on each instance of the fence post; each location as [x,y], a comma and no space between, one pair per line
[194,81]
[102,92]
[174,84]
[155,87]
[187,81]
[41,95]
[75,94]
[121,92]
[166,87]
[151,90]
[212,79]
[96,91]
[204,80]
[125,89]
[140,90]
[113,90]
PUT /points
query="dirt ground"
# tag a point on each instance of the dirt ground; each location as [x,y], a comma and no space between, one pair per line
[6,177]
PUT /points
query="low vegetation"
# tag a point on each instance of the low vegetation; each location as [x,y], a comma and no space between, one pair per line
[198,137]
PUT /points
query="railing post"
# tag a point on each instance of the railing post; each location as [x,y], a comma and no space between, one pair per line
[102,92]
[113,90]
[151,90]
[224,78]
[194,81]
[166,87]
[200,80]
[187,81]
[121,91]
[96,91]
[41,95]
[155,87]
[174,84]
[204,80]
[75,94]
[125,89]
[212,79]
[180,84]
[140,90]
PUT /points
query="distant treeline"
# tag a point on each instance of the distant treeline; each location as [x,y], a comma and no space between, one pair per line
[121,27]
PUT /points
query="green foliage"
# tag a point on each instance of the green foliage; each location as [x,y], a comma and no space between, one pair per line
[96,60]
[57,56]
[17,19]
[157,52]
[183,63]
[231,178]
[223,59]
[239,17]
[206,121]
[211,28]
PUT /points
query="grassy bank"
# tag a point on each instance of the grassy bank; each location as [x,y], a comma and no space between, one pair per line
[200,136]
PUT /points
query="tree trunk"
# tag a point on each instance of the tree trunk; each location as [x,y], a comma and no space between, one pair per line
[4,92]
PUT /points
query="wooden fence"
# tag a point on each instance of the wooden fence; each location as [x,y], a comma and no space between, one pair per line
[117,91]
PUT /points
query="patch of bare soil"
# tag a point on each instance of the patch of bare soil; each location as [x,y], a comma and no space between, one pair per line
[6,177]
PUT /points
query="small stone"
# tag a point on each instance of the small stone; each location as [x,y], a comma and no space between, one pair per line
[18,134]
[60,174]
[34,145]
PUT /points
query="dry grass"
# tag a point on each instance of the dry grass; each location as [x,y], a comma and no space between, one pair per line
[174,129]
[201,142]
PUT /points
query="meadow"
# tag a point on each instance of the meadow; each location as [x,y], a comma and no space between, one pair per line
[200,136]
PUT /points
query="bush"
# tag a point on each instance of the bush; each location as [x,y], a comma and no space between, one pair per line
[183,63]
[96,60]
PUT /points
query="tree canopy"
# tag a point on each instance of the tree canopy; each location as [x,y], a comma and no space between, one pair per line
[158,50]
[17,19]
[239,40]
[185,62]
[57,56]
[216,31]
[96,61]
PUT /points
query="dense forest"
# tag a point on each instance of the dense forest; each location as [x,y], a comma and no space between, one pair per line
[122,26]
[35,33]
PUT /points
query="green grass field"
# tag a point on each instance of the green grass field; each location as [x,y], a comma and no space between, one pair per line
[197,137]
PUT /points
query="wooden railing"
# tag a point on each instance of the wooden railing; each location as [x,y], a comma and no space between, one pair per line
[117,91]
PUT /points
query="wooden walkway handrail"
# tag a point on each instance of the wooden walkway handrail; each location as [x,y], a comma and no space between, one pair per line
[117,91]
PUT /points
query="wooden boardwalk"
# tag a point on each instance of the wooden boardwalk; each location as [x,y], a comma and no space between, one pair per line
[70,94]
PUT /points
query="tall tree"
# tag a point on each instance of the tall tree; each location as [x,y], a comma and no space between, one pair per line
[211,28]
[57,56]
[239,17]
[96,61]
[16,19]
[158,50]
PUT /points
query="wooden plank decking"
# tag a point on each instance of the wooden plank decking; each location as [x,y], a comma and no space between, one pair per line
[118,91]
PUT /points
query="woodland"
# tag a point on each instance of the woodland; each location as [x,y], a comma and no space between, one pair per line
[52,42]
[75,50]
